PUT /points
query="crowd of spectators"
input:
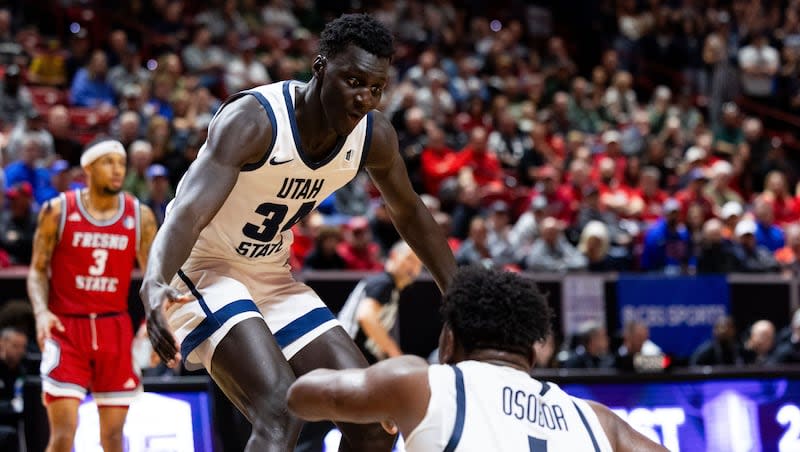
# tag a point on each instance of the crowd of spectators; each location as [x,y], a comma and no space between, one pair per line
[533,152]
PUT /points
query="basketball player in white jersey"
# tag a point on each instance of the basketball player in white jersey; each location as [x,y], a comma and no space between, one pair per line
[218,292]
[483,398]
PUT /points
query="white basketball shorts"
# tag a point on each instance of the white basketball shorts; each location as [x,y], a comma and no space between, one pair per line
[228,292]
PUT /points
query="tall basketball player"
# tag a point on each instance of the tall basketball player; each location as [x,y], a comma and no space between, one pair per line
[482,398]
[84,249]
[218,277]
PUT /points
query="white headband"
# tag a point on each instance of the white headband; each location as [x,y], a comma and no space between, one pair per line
[100,149]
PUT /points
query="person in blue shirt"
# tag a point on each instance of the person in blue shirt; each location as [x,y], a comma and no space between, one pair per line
[90,87]
[666,244]
[57,181]
[24,169]
[767,234]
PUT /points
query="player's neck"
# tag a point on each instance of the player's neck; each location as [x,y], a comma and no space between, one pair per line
[316,135]
[500,358]
[98,201]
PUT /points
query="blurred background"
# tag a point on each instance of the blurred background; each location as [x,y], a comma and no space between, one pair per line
[638,158]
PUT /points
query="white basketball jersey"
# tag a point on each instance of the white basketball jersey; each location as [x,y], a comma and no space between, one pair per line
[481,407]
[273,194]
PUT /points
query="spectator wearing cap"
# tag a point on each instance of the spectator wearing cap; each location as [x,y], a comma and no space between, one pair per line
[438,161]
[730,214]
[694,194]
[552,252]
[695,158]
[128,72]
[786,209]
[499,230]
[767,233]
[525,231]
[716,253]
[90,87]
[140,157]
[613,151]
[60,127]
[18,223]
[358,249]
[718,189]
[160,192]
[647,198]
[60,179]
[666,244]
[789,256]
[751,256]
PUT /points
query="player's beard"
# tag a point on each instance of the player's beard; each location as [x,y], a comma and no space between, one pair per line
[111,191]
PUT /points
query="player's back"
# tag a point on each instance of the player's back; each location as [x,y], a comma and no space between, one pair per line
[477,406]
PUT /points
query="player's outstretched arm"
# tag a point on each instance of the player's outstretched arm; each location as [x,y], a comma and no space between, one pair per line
[38,283]
[409,215]
[394,391]
[239,134]
[621,435]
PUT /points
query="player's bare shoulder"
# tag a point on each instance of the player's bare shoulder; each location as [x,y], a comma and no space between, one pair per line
[240,132]
[50,215]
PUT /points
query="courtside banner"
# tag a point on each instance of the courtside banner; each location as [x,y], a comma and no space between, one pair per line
[680,311]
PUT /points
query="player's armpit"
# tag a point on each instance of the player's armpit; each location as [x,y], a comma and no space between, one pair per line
[394,390]
[44,242]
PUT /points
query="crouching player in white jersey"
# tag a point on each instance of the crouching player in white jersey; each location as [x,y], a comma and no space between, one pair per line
[483,398]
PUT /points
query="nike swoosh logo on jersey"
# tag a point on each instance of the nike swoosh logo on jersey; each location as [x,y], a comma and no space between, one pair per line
[272,161]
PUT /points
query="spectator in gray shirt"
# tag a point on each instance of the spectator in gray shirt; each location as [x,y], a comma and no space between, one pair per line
[552,252]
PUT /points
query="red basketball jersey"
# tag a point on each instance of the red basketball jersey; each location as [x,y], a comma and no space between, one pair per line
[92,261]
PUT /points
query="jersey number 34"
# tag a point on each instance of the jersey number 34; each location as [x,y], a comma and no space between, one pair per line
[274,214]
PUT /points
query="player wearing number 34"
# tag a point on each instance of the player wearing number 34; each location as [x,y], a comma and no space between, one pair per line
[218,291]
[84,249]
[482,398]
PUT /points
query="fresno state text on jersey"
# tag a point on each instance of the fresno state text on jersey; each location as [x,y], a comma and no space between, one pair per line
[92,262]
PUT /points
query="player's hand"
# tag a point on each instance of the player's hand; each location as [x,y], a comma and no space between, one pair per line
[45,322]
[163,341]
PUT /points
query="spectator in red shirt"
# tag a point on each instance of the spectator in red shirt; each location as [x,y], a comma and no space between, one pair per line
[613,194]
[694,194]
[647,199]
[786,208]
[358,250]
[482,161]
[571,191]
[611,140]
[558,205]
[439,161]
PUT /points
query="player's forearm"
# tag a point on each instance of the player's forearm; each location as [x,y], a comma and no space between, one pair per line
[330,395]
[375,331]
[426,238]
[38,290]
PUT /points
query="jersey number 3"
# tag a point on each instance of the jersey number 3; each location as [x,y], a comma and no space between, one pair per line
[537,445]
[274,214]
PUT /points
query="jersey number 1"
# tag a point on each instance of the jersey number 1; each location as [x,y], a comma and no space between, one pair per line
[537,445]
[273,217]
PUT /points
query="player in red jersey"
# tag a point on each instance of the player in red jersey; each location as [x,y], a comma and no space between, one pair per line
[87,241]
